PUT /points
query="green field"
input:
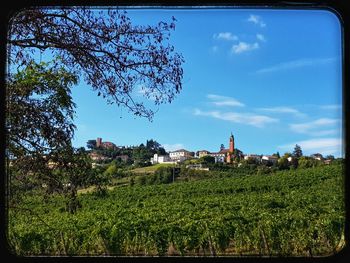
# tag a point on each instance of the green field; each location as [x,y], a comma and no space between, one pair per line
[150,169]
[288,213]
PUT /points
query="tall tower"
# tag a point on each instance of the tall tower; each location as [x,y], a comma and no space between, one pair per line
[232,144]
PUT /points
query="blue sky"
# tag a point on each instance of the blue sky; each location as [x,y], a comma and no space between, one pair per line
[271,77]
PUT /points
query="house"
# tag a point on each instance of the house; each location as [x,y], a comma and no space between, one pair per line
[161,159]
[219,156]
[97,157]
[180,155]
[328,161]
[253,157]
[317,156]
[203,153]
[269,159]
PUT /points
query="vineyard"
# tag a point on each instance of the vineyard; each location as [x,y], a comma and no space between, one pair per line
[288,213]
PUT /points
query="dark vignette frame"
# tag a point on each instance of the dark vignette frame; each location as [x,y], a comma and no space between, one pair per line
[338,7]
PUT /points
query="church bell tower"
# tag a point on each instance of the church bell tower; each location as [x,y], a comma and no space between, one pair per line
[232,144]
[229,154]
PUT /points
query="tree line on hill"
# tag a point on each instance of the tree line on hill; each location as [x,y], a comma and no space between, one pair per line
[192,169]
[139,155]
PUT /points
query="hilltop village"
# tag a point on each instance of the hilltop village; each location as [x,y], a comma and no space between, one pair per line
[153,153]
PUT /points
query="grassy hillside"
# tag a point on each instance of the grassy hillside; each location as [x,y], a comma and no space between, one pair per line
[297,213]
[150,169]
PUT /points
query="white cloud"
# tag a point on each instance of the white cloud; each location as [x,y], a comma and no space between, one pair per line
[244,47]
[224,101]
[215,49]
[261,37]
[331,107]
[244,118]
[315,127]
[324,146]
[283,109]
[225,36]
[256,20]
[296,64]
[173,147]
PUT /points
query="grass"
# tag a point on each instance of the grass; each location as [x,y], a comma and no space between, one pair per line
[150,169]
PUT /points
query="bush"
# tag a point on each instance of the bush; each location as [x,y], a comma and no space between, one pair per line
[163,175]
[263,170]
[141,180]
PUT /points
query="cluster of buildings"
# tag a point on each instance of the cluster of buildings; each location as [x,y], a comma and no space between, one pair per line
[107,145]
[95,156]
[222,156]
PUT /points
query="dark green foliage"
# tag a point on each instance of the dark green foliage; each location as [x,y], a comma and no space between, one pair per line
[163,175]
[141,180]
[283,163]
[307,162]
[91,144]
[141,155]
[206,160]
[297,151]
[39,109]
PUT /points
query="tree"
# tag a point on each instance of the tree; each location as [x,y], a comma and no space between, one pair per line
[91,144]
[277,155]
[101,178]
[161,151]
[39,128]
[152,145]
[287,154]
[238,155]
[330,157]
[207,159]
[283,163]
[297,151]
[305,162]
[113,55]
[39,110]
[252,160]
[74,167]
[141,155]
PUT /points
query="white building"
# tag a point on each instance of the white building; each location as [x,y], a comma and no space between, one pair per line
[180,155]
[317,156]
[219,157]
[161,159]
